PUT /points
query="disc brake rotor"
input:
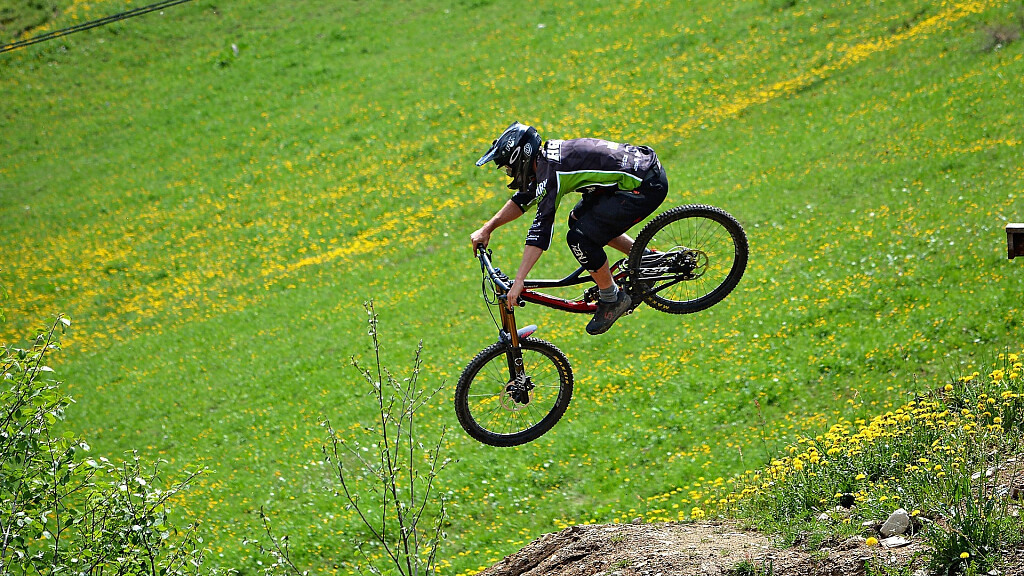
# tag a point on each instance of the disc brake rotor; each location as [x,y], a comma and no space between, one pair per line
[694,263]
[516,395]
[687,262]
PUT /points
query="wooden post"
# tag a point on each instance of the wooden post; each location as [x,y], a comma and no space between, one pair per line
[1014,240]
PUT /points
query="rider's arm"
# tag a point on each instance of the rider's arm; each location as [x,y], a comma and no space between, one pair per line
[509,212]
[530,256]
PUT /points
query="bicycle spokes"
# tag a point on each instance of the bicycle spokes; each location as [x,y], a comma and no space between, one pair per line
[688,258]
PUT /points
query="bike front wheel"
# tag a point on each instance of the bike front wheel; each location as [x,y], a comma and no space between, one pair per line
[688,259]
[499,409]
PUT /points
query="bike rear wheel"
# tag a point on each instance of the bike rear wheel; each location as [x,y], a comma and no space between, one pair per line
[501,410]
[700,254]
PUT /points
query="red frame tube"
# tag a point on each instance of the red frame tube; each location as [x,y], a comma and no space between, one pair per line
[558,303]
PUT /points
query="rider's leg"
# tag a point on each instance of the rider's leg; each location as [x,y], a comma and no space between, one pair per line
[589,232]
[587,251]
[622,243]
[603,277]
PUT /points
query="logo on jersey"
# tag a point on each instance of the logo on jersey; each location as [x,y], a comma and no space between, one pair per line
[553,150]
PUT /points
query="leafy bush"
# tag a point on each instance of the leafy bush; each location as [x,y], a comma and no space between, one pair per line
[62,511]
[940,455]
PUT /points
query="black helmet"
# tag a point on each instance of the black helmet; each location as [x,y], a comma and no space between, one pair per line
[516,149]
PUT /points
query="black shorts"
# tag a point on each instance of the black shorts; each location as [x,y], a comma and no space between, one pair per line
[603,216]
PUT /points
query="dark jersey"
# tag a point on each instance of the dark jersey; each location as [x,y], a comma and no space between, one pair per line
[584,165]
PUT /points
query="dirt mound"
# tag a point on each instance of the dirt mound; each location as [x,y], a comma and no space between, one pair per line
[685,549]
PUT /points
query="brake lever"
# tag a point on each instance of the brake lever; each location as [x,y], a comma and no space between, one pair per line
[520,304]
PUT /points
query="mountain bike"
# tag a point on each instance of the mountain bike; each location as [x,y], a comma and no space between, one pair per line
[685,260]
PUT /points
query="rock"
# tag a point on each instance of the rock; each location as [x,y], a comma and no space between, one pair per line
[1017,490]
[824,517]
[894,542]
[871,525]
[897,523]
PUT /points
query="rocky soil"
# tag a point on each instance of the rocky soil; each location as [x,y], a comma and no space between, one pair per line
[704,549]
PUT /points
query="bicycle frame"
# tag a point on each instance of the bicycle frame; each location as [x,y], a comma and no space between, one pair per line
[510,333]
[530,293]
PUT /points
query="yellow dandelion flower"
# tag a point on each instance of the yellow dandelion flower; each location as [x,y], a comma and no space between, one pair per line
[872,541]
[965,555]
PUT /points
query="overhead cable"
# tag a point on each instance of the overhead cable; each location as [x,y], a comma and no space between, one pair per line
[91,24]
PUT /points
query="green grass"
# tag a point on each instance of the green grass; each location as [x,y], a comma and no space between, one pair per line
[20,16]
[213,223]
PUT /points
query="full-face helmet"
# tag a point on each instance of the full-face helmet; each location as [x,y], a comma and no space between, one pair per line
[515,150]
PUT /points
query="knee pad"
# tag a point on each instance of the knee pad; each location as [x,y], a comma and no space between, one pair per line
[588,253]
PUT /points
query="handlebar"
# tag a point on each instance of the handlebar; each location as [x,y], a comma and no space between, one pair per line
[499,279]
[496,275]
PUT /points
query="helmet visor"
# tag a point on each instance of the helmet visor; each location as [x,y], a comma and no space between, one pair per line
[489,155]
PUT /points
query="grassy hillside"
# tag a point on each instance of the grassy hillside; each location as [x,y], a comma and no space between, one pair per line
[211,193]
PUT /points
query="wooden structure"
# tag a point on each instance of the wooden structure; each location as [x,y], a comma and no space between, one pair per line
[1014,240]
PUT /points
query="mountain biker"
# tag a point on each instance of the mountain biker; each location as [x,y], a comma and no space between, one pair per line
[621,184]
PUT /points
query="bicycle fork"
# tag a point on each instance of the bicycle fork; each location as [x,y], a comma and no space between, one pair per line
[519,384]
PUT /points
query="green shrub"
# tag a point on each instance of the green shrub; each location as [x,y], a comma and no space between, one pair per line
[938,456]
[62,511]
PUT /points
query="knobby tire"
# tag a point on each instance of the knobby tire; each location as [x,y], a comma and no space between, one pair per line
[699,227]
[486,414]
